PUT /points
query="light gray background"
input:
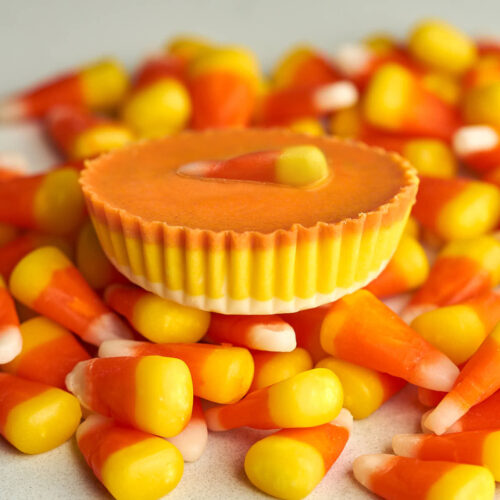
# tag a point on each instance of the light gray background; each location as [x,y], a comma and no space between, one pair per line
[38,37]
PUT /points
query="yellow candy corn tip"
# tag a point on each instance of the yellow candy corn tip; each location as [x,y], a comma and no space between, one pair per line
[491,454]
[442,47]
[346,122]
[301,166]
[432,158]
[309,126]
[286,67]
[159,109]
[444,86]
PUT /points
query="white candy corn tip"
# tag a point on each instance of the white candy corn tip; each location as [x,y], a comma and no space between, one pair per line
[438,373]
[93,421]
[213,421]
[76,381]
[407,445]
[192,441]
[272,338]
[107,326]
[344,419]
[195,168]
[11,343]
[117,348]
[336,96]
[12,110]
[446,413]
[365,466]
[351,59]
[409,313]
[474,139]
[14,161]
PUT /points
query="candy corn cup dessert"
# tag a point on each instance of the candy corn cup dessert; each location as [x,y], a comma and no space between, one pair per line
[243,246]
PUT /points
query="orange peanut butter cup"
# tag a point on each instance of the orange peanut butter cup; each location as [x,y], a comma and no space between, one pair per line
[241,246]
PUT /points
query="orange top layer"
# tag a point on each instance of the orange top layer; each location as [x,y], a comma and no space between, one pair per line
[142,180]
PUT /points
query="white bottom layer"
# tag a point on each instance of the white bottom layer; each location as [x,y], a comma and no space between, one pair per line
[225,305]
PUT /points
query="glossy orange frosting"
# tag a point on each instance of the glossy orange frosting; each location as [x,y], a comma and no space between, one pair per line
[142,180]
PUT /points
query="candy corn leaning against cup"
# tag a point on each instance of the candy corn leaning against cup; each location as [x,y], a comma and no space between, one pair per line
[308,399]
[364,390]
[38,201]
[151,393]
[297,166]
[395,478]
[158,319]
[361,329]
[49,353]
[11,340]
[129,463]
[98,86]
[290,463]
[463,268]
[221,373]
[478,380]
[46,281]
[35,417]
[473,447]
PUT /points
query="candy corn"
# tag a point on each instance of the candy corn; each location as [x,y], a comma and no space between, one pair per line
[78,134]
[46,281]
[462,269]
[281,107]
[92,262]
[223,83]
[192,441]
[429,398]
[98,86]
[308,126]
[431,157]
[395,478]
[365,390]
[12,252]
[188,47]
[290,463]
[263,333]
[303,66]
[307,327]
[412,228]
[396,101]
[481,105]
[158,319]
[159,103]
[35,417]
[273,367]
[38,201]
[297,166]
[484,72]
[11,340]
[221,374]
[361,329]
[129,463]
[150,393]
[307,399]
[457,208]
[49,353]
[473,447]
[446,86]
[459,330]
[478,380]
[442,47]
[407,270]
[478,146]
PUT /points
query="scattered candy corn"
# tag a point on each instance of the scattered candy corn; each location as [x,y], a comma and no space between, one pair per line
[308,399]
[361,329]
[364,390]
[11,341]
[129,463]
[46,281]
[98,86]
[394,478]
[473,447]
[37,201]
[158,319]
[49,353]
[221,373]
[263,333]
[297,166]
[478,380]
[150,393]
[35,417]
[291,462]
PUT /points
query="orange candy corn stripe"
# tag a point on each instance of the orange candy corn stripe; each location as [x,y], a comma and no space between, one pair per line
[222,374]
[10,337]
[158,67]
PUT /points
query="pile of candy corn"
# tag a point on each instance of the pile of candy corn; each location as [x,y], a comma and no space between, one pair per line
[75,333]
